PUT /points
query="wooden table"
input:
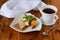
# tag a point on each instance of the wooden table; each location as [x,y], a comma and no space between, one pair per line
[6,33]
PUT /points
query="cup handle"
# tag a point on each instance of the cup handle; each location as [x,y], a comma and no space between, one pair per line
[56,17]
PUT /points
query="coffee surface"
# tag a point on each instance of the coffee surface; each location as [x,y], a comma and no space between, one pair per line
[48,11]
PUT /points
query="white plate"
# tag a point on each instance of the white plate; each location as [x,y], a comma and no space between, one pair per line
[29,29]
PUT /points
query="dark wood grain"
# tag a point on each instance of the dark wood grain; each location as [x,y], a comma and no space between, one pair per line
[6,33]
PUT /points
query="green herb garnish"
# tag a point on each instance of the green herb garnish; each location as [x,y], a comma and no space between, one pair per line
[27,17]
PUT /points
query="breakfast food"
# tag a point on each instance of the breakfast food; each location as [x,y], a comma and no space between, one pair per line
[26,21]
[33,23]
[21,25]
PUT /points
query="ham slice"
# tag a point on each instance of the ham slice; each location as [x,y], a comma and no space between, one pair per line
[21,25]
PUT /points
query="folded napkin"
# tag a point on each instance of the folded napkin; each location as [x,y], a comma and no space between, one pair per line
[18,7]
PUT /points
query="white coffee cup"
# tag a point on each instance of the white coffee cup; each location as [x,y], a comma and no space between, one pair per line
[49,19]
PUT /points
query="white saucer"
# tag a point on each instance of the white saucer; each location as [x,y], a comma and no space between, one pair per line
[45,23]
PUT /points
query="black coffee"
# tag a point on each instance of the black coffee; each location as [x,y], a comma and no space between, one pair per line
[48,11]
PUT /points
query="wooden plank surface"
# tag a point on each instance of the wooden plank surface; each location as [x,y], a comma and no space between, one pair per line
[6,33]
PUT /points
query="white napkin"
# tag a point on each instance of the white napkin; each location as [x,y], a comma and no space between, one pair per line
[16,7]
[40,6]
